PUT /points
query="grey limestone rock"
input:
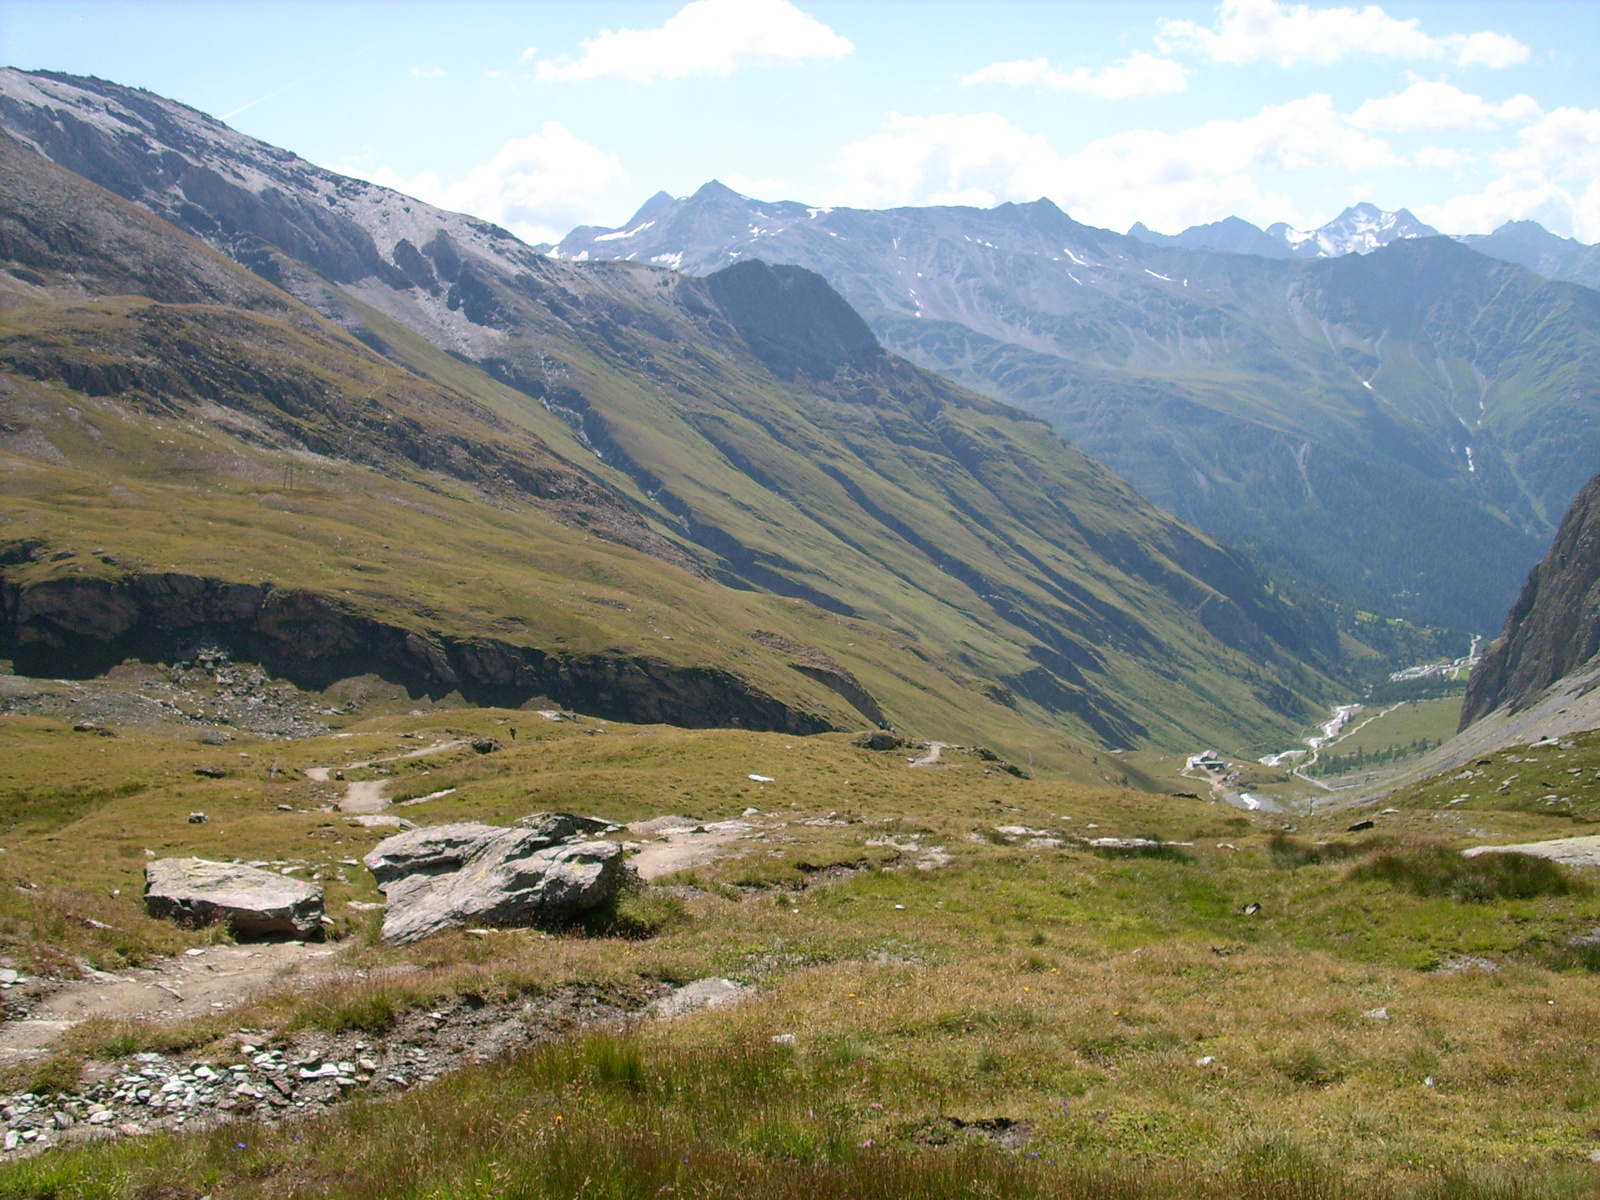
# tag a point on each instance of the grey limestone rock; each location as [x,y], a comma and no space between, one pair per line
[448,876]
[253,902]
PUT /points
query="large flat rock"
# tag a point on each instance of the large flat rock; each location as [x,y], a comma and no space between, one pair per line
[252,902]
[448,876]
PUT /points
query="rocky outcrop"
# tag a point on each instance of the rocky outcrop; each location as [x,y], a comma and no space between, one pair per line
[250,901]
[448,876]
[815,664]
[81,625]
[1554,627]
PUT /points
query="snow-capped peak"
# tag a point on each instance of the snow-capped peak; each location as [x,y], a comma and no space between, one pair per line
[1360,229]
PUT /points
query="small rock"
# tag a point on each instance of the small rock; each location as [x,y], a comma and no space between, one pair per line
[62,1120]
[783,1039]
[198,818]
[1206,1061]
[702,993]
[878,739]
[13,1139]
[484,745]
[129,1129]
[104,1117]
[285,808]
[1360,825]
[7,975]
[212,772]
[1251,910]
[1376,1014]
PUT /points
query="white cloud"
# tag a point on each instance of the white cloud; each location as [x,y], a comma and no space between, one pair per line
[705,37]
[1487,50]
[1255,30]
[1564,143]
[978,159]
[428,72]
[1137,75]
[1551,176]
[528,54]
[1169,180]
[1443,158]
[1439,106]
[538,187]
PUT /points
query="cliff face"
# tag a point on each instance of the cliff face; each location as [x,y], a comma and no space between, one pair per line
[1554,627]
[84,626]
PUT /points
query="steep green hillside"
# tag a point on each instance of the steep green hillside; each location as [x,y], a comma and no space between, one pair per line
[774,522]
[1390,417]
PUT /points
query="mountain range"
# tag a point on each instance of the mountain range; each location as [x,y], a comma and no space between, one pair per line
[1363,228]
[1360,229]
[249,400]
[1401,428]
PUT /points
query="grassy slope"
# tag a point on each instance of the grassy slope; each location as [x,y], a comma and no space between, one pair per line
[431,561]
[767,464]
[871,503]
[1053,987]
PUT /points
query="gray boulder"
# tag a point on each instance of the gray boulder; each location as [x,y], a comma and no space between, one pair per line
[252,902]
[565,827]
[470,874]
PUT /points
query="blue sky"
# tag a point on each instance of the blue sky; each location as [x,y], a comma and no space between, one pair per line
[545,115]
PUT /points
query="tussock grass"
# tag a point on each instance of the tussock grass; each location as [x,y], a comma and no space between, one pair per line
[624,1118]
[1289,851]
[1438,871]
[1160,850]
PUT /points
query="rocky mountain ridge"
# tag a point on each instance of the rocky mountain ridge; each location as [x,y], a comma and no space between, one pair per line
[1535,247]
[1364,228]
[1359,229]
